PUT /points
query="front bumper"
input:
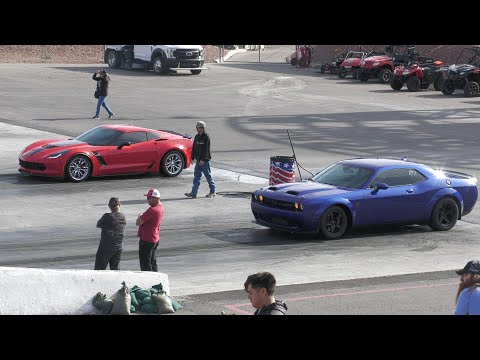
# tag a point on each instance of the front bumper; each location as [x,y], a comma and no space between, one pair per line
[47,167]
[282,219]
[184,64]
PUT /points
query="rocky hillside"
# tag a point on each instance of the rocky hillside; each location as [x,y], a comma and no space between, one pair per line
[67,54]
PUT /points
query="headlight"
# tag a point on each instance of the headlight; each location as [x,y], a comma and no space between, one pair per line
[169,53]
[200,53]
[298,206]
[376,63]
[58,154]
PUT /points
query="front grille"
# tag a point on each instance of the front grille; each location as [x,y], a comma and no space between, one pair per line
[277,221]
[31,165]
[278,204]
[184,54]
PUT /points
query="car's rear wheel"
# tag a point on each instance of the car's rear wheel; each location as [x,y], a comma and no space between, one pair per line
[444,215]
[333,223]
[78,168]
[172,163]
[113,59]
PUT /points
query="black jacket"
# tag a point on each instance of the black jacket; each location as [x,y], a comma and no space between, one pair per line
[201,147]
[277,308]
[113,231]
[102,84]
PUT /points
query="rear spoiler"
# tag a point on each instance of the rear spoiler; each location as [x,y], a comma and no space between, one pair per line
[186,136]
[457,175]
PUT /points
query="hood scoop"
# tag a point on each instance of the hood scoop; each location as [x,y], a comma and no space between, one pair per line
[292,192]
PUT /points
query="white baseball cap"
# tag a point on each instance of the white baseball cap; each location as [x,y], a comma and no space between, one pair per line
[153,193]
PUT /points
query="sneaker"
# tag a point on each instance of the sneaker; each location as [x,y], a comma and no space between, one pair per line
[191,195]
[111,116]
[96,117]
[210,195]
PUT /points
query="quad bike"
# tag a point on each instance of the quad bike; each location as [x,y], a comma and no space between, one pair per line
[464,76]
[303,56]
[418,76]
[332,66]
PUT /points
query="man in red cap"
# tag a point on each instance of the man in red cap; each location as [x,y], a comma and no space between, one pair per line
[149,231]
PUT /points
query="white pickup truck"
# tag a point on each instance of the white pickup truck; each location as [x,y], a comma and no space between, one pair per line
[162,59]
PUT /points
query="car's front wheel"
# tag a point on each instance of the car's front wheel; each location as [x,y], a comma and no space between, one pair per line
[333,223]
[444,215]
[172,163]
[78,168]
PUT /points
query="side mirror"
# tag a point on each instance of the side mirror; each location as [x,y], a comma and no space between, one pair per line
[382,186]
[125,143]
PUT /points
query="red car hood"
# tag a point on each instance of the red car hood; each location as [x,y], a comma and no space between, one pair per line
[352,62]
[41,149]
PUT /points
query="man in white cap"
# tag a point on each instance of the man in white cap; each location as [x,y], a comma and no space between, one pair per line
[149,231]
[201,156]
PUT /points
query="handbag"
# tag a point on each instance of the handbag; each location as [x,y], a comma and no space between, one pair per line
[95,94]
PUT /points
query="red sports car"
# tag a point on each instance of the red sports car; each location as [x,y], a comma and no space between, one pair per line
[109,150]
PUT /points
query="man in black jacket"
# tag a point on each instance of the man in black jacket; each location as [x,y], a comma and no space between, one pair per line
[201,156]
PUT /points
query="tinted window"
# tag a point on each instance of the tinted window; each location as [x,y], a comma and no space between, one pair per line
[153,135]
[133,137]
[99,136]
[344,175]
[398,177]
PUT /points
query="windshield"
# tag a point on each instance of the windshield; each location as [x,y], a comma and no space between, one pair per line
[344,175]
[99,136]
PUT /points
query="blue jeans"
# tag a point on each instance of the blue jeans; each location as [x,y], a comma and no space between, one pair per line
[197,173]
[102,102]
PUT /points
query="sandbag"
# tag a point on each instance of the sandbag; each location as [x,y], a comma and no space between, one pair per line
[121,301]
[164,303]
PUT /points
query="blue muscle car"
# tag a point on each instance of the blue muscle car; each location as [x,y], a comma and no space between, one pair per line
[367,192]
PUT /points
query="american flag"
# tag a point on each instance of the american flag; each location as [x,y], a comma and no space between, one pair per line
[282,172]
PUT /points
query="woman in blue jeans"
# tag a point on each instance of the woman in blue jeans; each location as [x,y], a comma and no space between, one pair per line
[102,79]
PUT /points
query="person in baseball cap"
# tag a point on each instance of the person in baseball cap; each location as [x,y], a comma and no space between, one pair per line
[149,231]
[468,294]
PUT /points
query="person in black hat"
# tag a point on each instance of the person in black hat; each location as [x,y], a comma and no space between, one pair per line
[468,294]
[103,80]
[111,241]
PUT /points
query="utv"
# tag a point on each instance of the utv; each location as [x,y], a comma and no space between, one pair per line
[352,61]
[418,76]
[464,76]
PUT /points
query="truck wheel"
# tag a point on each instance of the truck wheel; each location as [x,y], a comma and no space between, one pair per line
[172,164]
[448,87]
[195,72]
[471,88]
[437,85]
[113,59]
[413,84]
[159,66]
[396,84]
[385,76]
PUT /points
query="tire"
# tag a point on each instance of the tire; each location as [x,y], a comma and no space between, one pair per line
[333,223]
[195,72]
[78,168]
[172,163]
[322,70]
[437,85]
[362,76]
[385,76]
[303,63]
[413,84]
[396,84]
[424,85]
[342,73]
[294,62]
[471,89]
[355,74]
[444,215]
[113,59]
[448,87]
[159,66]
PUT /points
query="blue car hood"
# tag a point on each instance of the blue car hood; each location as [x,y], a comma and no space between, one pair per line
[309,189]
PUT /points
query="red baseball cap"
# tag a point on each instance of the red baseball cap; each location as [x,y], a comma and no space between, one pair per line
[153,193]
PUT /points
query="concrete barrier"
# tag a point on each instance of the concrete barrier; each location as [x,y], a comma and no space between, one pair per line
[26,291]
